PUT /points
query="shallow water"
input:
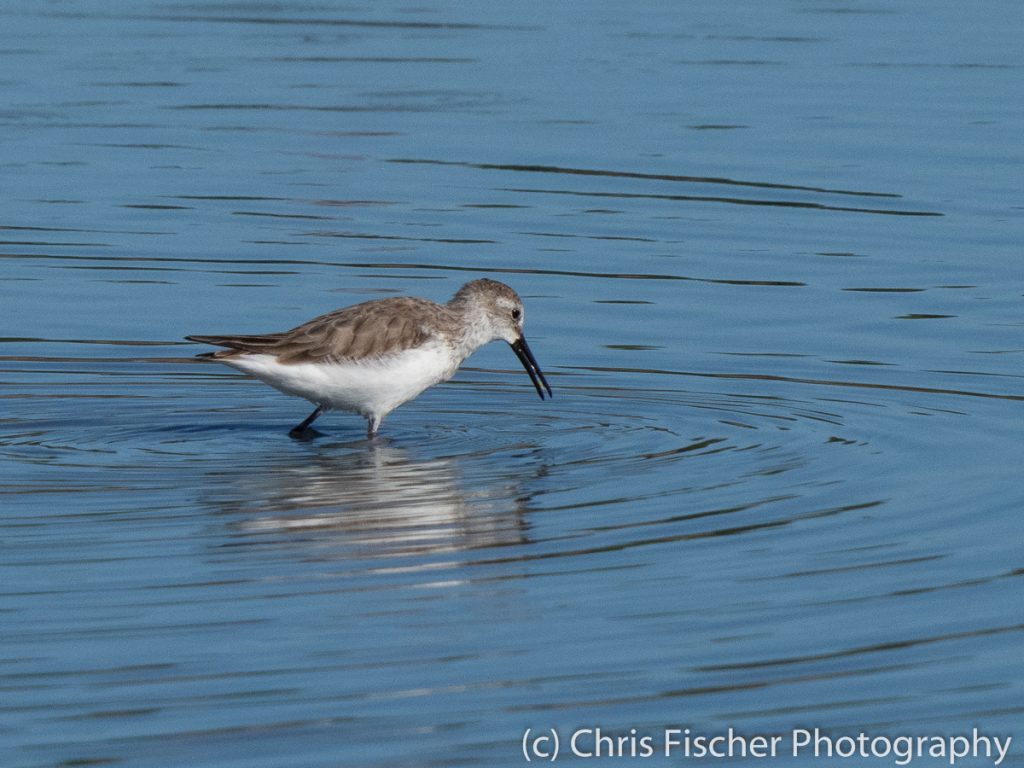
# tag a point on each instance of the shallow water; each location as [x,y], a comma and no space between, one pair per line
[770,260]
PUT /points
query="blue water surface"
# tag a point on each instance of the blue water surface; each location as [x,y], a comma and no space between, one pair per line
[770,257]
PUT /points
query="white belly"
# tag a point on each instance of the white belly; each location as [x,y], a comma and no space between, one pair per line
[370,387]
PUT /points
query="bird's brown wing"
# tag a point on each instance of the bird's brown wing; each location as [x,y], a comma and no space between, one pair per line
[363,331]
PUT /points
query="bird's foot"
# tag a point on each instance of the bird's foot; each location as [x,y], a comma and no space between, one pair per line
[304,433]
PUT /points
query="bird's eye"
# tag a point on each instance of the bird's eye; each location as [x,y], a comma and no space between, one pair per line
[516,314]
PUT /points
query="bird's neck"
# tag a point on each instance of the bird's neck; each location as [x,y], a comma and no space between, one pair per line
[474,328]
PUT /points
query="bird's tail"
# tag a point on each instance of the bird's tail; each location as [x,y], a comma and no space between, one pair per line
[236,344]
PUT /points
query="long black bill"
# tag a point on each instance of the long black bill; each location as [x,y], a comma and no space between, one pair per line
[530,364]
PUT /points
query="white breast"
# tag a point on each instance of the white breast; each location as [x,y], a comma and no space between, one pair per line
[368,387]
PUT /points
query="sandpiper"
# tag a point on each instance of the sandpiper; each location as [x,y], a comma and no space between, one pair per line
[372,357]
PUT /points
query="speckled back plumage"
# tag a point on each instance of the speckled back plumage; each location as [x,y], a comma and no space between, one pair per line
[363,331]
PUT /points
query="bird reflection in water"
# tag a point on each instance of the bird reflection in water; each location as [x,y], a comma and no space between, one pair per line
[372,498]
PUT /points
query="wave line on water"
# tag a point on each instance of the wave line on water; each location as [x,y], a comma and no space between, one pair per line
[720,180]
[865,649]
[297,21]
[484,270]
[800,380]
[802,204]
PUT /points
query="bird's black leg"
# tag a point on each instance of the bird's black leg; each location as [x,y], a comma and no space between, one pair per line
[297,431]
